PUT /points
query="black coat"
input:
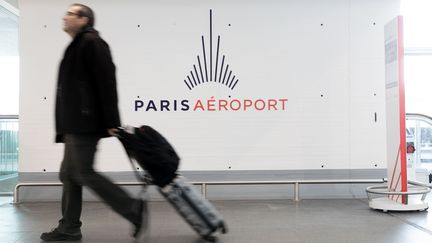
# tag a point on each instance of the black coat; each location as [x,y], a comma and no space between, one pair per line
[86,89]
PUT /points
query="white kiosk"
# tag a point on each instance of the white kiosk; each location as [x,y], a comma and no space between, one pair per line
[397,195]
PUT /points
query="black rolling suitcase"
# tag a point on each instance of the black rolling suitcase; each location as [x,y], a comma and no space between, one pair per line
[158,158]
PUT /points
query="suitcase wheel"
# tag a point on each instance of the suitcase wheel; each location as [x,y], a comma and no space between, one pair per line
[210,238]
[223,228]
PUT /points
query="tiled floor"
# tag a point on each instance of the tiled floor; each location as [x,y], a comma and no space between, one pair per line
[261,221]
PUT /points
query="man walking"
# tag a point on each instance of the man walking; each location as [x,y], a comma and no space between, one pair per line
[86,111]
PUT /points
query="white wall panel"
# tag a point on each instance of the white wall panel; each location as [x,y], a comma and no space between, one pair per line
[314,53]
[367,85]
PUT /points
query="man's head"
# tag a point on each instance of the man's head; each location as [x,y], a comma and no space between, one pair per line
[77,17]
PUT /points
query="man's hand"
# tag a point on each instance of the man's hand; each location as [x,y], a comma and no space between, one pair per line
[113,131]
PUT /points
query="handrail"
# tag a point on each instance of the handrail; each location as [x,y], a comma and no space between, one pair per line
[419,189]
[418,116]
[204,184]
[416,183]
[296,183]
[376,190]
[9,116]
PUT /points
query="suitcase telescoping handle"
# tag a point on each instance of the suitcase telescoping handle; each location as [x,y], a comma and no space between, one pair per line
[127,129]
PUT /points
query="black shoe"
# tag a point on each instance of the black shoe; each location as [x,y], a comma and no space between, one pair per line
[142,224]
[56,235]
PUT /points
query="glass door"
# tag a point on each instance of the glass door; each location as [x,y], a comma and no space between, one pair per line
[9,97]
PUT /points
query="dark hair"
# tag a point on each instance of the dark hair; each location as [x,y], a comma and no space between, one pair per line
[85,11]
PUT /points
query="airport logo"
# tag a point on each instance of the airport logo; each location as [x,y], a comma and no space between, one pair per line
[212,66]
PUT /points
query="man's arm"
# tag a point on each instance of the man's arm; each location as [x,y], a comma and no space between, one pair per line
[102,71]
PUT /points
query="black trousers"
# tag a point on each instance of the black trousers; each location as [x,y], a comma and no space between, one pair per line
[77,171]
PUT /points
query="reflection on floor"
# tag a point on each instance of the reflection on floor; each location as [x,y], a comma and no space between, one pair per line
[260,221]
